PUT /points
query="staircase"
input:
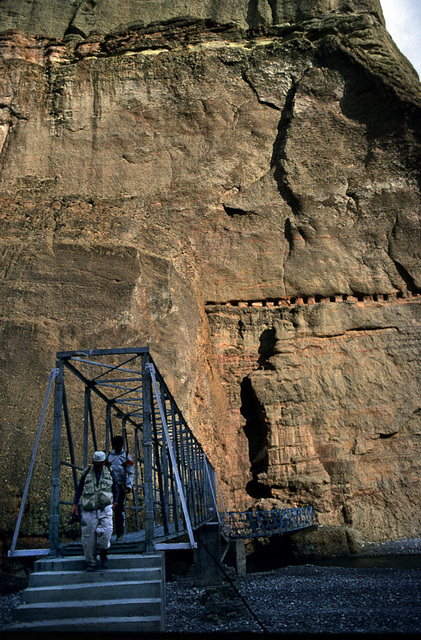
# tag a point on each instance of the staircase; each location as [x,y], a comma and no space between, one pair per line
[128,596]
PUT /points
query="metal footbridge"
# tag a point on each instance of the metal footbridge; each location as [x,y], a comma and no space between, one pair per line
[100,393]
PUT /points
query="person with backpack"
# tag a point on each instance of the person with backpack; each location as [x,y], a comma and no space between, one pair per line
[98,493]
[120,461]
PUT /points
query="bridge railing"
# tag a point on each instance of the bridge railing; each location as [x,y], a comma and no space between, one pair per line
[183,478]
[259,524]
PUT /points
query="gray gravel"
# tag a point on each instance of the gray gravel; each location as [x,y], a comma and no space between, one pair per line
[304,599]
[7,604]
[394,547]
[299,599]
[309,598]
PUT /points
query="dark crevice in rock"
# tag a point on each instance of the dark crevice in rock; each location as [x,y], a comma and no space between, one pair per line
[406,277]
[74,31]
[258,491]
[128,159]
[363,328]
[256,431]
[279,152]
[268,103]
[241,328]
[374,96]
[254,18]
[273,7]
[267,343]
[71,29]
[278,156]
[234,211]
[288,235]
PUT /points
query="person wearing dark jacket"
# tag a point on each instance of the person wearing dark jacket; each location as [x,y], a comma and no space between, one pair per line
[121,463]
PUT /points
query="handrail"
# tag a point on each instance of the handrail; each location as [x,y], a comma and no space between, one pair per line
[260,524]
[150,367]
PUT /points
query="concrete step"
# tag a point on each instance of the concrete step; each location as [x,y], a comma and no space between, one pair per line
[62,595]
[62,578]
[86,609]
[116,561]
[87,591]
[131,624]
[127,596]
[76,549]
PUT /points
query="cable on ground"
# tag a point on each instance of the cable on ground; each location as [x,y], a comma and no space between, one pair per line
[220,567]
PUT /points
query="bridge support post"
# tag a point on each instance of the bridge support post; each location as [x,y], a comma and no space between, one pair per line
[207,556]
[55,466]
[147,453]
[237,554]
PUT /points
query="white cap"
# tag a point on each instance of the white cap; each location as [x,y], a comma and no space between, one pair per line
[99,456]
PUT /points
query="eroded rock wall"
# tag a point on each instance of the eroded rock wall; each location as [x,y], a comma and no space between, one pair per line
[324,406]
[246,204]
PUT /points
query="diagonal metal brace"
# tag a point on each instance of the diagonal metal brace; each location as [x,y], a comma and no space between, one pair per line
[150,367]
[11,552]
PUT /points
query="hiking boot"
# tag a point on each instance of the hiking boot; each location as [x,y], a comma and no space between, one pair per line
[104,559]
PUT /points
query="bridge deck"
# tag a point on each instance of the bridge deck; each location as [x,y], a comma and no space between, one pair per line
[234,525]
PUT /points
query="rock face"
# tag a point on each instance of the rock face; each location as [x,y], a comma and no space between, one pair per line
[235,185]
[328,394]
[56,18]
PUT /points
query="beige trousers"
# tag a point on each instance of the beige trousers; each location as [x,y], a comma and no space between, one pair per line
[97,528]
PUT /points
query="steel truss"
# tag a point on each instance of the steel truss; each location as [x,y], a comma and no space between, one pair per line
[100,393]
[174,482]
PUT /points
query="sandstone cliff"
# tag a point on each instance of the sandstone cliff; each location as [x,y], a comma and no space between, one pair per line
[235,185]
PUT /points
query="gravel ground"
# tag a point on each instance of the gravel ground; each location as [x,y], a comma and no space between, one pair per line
[298,599]
[304,599]
[308,598]
[7,604]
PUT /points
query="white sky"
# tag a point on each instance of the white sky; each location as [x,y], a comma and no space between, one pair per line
[403,22]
